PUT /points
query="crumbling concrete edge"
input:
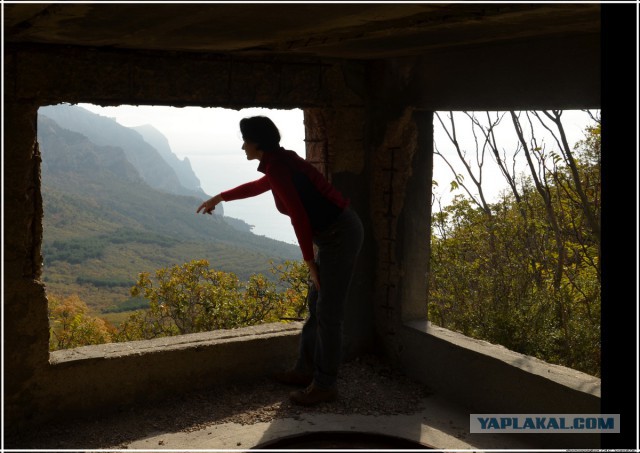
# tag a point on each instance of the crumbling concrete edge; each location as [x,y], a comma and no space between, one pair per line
[110,377]
[490,378]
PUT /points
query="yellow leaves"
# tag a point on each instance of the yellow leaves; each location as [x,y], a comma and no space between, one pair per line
[184,299]
[193,298]
[70,326]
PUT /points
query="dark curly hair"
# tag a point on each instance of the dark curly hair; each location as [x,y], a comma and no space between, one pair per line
[261,131]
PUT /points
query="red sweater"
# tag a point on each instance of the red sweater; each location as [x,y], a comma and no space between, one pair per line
[299,190]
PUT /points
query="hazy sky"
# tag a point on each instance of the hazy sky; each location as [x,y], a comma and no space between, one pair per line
[210,138]
[493,182]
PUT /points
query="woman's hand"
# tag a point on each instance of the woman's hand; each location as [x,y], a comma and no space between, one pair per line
[208,206]
[314,273]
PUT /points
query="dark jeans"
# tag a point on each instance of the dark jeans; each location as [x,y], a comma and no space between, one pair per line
[321,338]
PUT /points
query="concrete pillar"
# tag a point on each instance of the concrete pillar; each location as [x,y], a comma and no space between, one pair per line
[414,222]
[25,304]
[335,145]
[401,210]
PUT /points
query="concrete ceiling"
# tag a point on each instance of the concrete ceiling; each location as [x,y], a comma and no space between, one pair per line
[327,30]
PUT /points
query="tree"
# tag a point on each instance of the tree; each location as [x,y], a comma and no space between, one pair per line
[193,298]
[294,275]
[70,326]
[524,271]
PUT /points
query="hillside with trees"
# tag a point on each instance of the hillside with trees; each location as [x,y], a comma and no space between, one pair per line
[184,299]
[104,225]
[145,148]
[524,272]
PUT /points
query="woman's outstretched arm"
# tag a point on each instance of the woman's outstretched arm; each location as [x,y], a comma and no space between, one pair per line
[250,189]
[208,206]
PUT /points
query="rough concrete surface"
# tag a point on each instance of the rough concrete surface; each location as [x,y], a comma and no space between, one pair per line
[373,399]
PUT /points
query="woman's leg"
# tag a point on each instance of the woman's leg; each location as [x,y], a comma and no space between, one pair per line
[308,334]
[338,250]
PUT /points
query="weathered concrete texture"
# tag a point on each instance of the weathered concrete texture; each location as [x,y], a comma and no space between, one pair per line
[509,76]
[504,76]
[439,425]
[25,348]
[112,78]
[347,31]
[335,142]
[491,378]
[106,377]
[414,222]
[368,129]
[335,139]
[392,167]
[35,389]
[26,329]
[22,201]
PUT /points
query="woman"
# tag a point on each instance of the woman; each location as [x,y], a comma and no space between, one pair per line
[320,215]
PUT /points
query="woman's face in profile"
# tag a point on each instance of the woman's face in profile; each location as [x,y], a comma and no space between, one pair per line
[251,150]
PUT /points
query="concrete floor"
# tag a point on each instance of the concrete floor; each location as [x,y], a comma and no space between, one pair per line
[253,415]
[439,425]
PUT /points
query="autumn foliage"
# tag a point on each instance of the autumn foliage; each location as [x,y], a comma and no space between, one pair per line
[524,272]
[71,326]
[185,299]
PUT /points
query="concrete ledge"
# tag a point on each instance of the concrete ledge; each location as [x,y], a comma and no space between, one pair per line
[488,378]
[111,376]
[175,344]
[492,379]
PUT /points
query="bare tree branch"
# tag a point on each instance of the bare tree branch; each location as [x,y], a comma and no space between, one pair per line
[543,189]
[477,180]
[563,144]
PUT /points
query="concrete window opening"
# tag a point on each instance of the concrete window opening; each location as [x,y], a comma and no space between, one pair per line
[367,80]
[515,232]
[120,189]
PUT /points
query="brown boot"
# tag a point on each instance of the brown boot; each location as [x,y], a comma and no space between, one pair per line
[313,395]
[294,377]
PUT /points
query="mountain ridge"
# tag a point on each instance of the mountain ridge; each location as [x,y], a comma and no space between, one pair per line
[104,224]
[101,130]
[182,168]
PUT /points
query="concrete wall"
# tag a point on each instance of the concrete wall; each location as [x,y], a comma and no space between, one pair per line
[109,377]
[26,329]
[404,93]
[43,76]
[490,379]
[336,140]
[369,124]
[555,73]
